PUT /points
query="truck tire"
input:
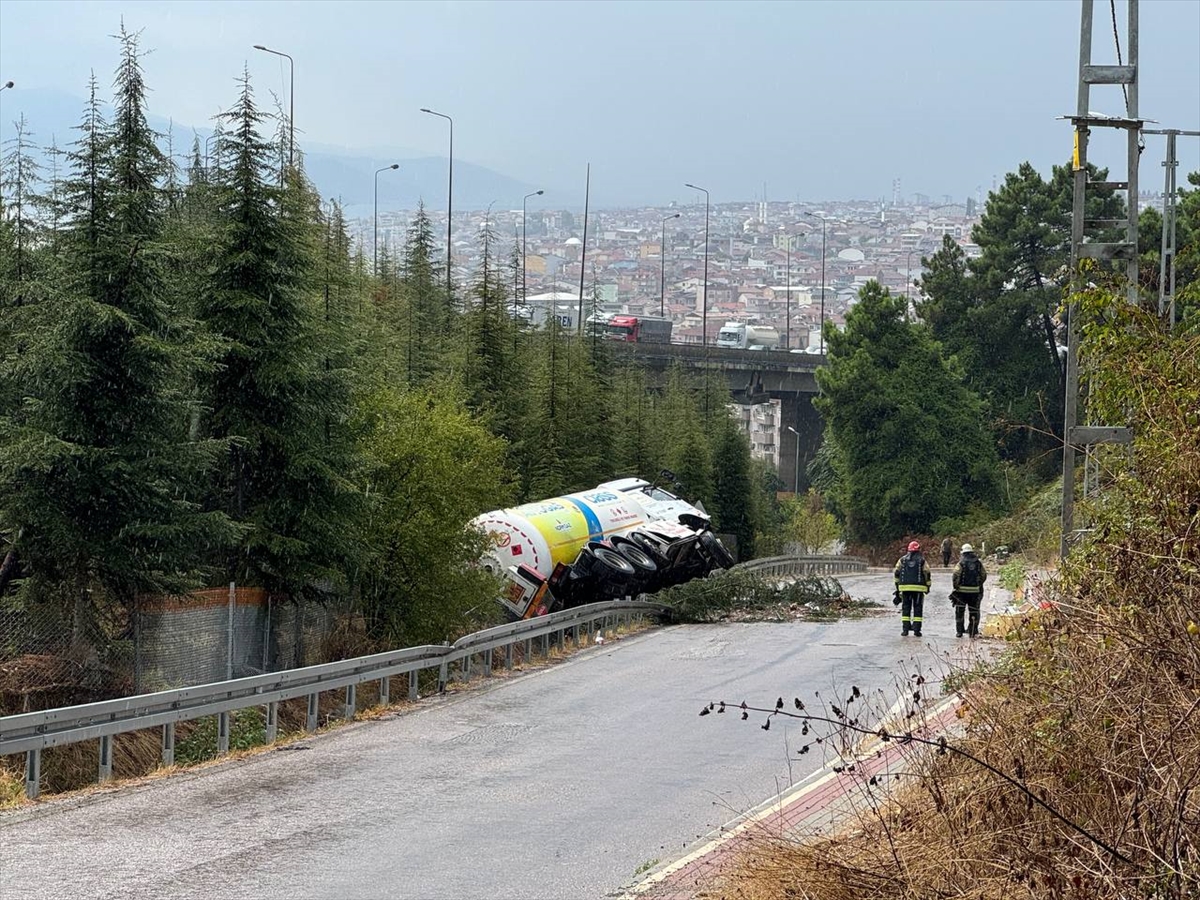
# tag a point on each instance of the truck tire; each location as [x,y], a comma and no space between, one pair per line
[652,549]
[645,565]
[610,566]
[721,558]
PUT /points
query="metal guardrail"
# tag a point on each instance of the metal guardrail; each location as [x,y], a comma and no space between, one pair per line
[805,565]
[31,733]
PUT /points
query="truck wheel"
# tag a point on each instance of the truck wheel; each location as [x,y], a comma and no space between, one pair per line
[722,558]
[609,565]
[641,560]
[651,548]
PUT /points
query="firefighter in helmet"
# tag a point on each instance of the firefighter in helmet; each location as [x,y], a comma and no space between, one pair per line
[969,576]
[912,583]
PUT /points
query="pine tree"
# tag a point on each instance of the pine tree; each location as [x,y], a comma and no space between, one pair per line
[910,440]
[733,490]
[100,478]
[429,318]
[688,453]
[286,478]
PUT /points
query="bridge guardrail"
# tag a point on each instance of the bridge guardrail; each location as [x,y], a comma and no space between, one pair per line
[805,565]
[31,733]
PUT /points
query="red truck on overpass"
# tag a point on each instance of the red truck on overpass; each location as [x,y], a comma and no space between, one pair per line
[638,329]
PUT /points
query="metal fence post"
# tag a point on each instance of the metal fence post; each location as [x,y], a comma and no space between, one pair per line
[222,733]
[412,686]
[168,744]
[272,730]
[310,724]
[229,641]
[351,706]
[33,773]
[385,691]
[106,747]
[266,661]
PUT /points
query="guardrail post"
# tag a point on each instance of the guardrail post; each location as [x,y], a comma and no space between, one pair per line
[222,733]
[443,676]
[105,773]
[310,723]
[272,722]
[487,663]
[33,773]
[168,744]
[528,649]
[351,706]
[412,686]
[385,691]
[508,657]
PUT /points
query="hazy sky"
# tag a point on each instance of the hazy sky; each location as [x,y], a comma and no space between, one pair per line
[816,99]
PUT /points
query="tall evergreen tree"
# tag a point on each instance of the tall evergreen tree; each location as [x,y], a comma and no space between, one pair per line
[911,439]
[688,453]
[272,396]
[99,477]
[734,495]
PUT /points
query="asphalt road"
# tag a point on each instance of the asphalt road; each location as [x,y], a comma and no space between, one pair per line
[560,783]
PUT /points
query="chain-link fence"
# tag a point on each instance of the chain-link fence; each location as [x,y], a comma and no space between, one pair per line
[55,657]
[50,655]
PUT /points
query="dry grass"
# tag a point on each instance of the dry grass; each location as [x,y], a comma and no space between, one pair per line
[1094,709]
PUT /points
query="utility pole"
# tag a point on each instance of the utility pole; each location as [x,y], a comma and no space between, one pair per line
[1166,265]
[1077,436]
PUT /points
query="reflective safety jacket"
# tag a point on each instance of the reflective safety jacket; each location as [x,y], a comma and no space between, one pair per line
[969,575]
[912,574]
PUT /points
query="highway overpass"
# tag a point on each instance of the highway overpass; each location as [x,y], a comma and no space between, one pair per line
[754,376]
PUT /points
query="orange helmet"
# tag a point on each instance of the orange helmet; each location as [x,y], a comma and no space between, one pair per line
[912,546]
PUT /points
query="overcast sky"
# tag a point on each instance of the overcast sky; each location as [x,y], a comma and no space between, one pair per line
[819,100]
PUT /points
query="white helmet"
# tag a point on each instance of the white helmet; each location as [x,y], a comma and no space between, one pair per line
[967,548]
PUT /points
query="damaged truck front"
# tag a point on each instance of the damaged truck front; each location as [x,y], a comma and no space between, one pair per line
[620,539]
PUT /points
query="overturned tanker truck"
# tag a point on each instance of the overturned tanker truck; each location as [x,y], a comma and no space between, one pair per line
[620,539]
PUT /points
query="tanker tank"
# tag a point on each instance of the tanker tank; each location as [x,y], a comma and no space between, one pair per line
[620,538]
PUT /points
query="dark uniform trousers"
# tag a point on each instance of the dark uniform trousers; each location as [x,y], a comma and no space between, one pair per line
[968,604]
[912,608]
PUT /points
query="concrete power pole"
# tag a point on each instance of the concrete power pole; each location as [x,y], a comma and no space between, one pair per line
[1075,436]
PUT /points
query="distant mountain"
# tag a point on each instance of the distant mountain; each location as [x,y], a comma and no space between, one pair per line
[342,172]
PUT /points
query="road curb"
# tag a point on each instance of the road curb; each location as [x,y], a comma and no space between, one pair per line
[814,805]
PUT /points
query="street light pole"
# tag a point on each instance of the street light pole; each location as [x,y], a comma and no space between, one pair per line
[662,256]
[524,231]
[796,467]
[291,102]
[375,235]
[449,196]
[787,321]
[822,218]
[704,310]
[5,87]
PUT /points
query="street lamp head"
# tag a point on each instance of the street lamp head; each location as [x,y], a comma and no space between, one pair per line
[259,47]
[793,430]
[7,84]
[394,166]
[424,110]
[539,193]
